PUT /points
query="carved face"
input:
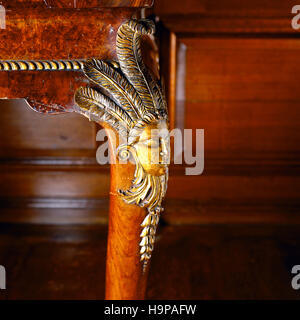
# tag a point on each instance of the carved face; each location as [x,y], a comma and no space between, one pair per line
[153,148]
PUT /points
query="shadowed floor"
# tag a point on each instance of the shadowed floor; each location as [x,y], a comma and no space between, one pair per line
[190,262]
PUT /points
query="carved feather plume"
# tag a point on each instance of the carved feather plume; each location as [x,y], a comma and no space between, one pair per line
[128,82]
[101,108]
[135,100]
[132,65]
[107,76]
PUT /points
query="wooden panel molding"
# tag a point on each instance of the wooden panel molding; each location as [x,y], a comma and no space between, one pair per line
[229,17]
[239,84]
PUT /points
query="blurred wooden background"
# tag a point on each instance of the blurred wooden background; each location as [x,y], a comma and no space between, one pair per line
[231,68]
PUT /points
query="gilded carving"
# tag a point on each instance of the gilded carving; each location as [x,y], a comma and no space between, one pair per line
[40,65]
[129,99]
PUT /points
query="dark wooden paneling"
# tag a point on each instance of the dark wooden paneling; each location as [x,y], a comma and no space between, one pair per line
[242,69]
[234,188]
[226,16]
[23,130]
[225,212]
[247,129]
[243,92]
[241,88]
[228,26]
[56,216]
[55,183]
[225,8]
[227,182]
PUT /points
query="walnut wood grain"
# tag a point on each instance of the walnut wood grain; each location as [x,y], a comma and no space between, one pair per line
[55,34]
[125,279]
[78,4]
[61,33]
[49,88]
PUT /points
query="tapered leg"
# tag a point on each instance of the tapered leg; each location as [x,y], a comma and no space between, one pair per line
[125,278]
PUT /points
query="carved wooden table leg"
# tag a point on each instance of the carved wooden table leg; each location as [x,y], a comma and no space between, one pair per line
[124,276]
[125,99]
[136,109]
